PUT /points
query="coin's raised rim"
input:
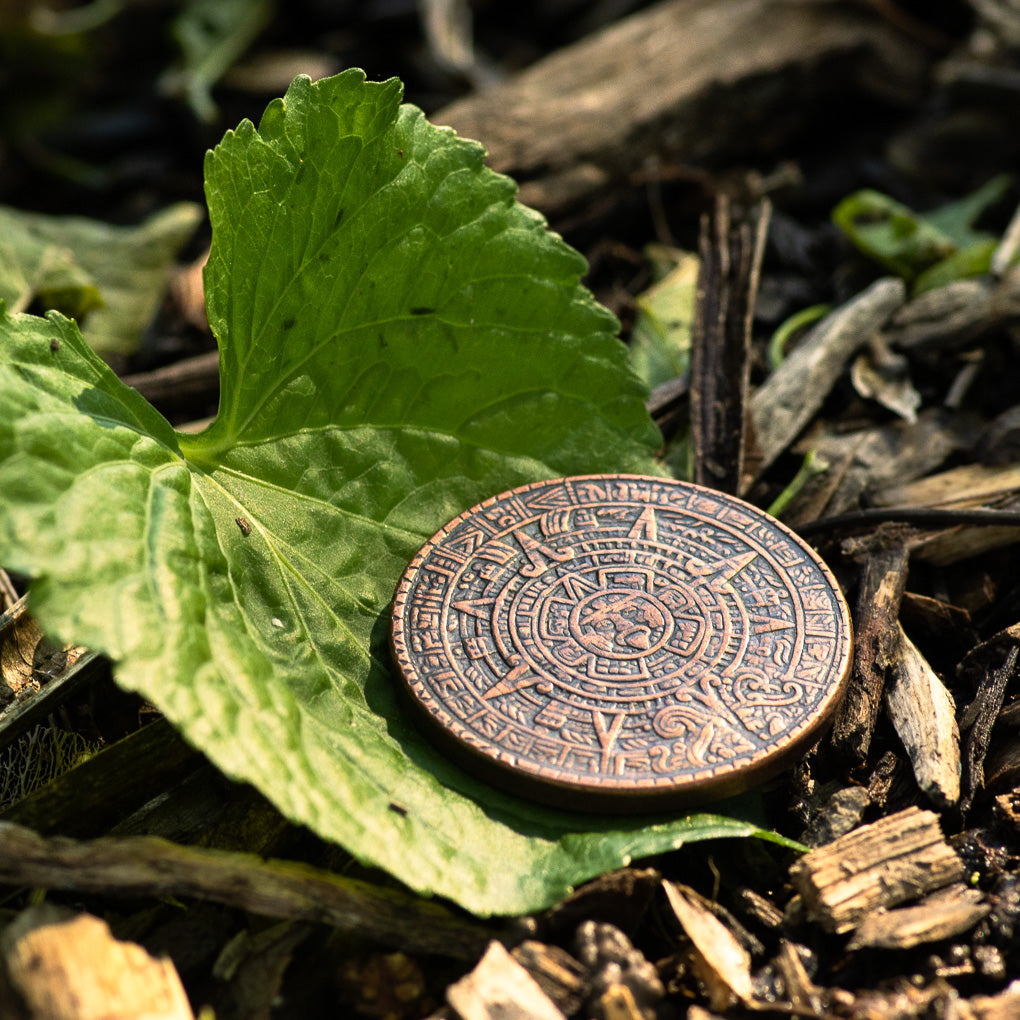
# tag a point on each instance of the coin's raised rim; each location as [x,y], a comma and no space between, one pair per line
[606,793]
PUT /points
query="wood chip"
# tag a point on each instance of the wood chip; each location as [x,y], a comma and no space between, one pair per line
[964,486]
[881,865]
[952,316]
[876,648]
[70,967]
[499,988]
[800,989]
[680,80]
[793,393]
[924,715]
[724,965]
[557,973]
[880,457]
[1004,1006]
[837,815]
[37,676]
[617,1002]
[948,913]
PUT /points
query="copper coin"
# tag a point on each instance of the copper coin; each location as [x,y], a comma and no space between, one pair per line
[620,642]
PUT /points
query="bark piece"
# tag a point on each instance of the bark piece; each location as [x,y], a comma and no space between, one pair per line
[948,913]
[680,80]
[938,621]
[924,715]
[70,967]
[617,1002]
[146,866]
[988,655]
[875,458]
[722,963]
[877,643]
[557,973]
[619,897]
[883,375]
[970,485]
[764,911]
[794,392]
[881,865]
[836,816]
[499,988]
[613,961]
[952,316]
[980,716]
[800,989]
[961,543]
[36,676]
[731,253]
[999,445]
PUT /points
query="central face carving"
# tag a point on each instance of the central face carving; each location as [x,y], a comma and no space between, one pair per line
[621,624]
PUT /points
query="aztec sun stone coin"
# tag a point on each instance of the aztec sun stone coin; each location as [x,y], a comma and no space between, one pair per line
[620,642]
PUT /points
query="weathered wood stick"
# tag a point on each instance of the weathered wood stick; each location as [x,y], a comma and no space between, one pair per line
[731,253]
[147,866]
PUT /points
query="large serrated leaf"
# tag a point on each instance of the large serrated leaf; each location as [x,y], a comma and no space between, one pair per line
[399,339]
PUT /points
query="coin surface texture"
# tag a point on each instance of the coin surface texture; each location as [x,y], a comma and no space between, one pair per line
[620,642]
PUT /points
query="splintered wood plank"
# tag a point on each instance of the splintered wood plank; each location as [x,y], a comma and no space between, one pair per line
[110,784]
[678,81]
[899,858]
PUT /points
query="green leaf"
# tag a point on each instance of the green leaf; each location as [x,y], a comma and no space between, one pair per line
[110,277]
[891,234]
[932,248]
[660,344]
[956,219]
[398,340]
[974,260]
[212,34]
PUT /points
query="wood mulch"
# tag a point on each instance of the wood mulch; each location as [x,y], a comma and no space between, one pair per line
[727,127]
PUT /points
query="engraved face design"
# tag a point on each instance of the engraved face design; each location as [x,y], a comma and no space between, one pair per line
[623,624]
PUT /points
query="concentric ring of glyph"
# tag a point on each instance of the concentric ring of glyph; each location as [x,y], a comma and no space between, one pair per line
[620,641]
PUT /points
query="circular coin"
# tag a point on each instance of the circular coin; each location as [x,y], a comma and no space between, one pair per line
[620,642]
